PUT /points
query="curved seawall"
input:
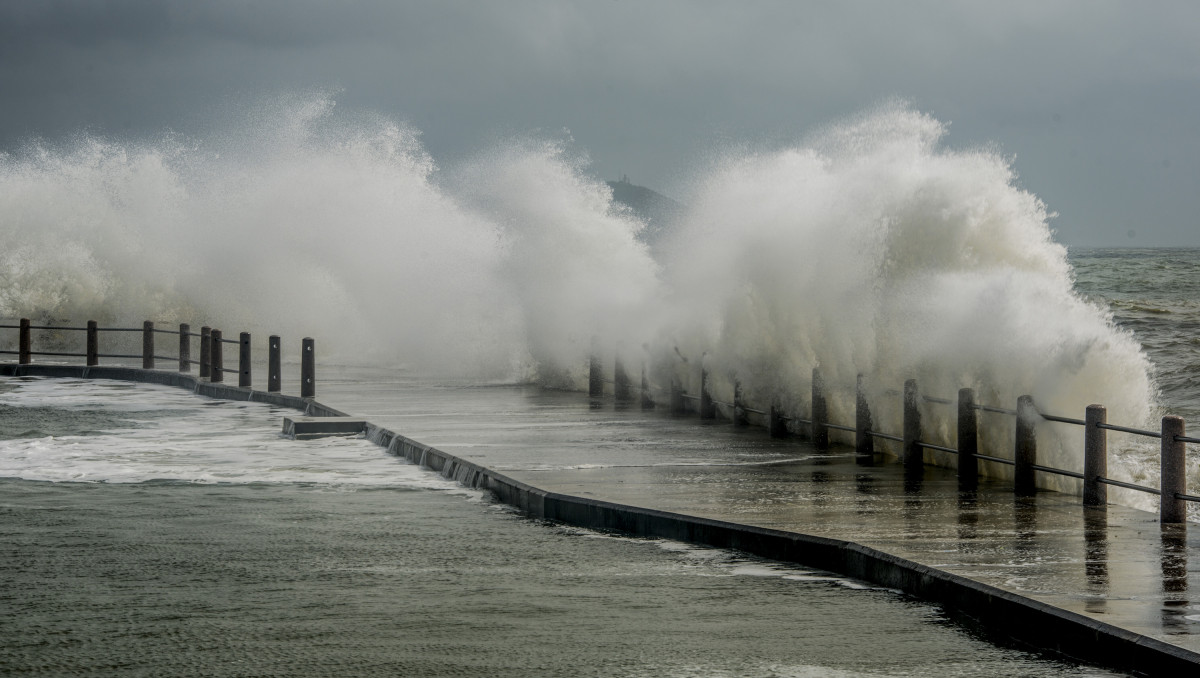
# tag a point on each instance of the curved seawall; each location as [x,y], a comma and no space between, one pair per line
[995,609]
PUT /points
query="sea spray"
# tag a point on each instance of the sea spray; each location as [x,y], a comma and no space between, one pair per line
[299,221]
[300,227]
[873,249]
[571,257]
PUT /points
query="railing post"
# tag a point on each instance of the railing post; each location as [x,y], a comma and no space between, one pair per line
[647,396]
[968,439]
[308,369]
[864,444]
[595,377]
[244,360]
[206,352]
[217,367]
[147,345]
[1095,456]
[24,347]
[1173,473]
[1025,448]
[776,423]
[274,373]
[912,453]
[622,388]
[185,347]
[820,412]
[708,410]
[739,407]
[93,343]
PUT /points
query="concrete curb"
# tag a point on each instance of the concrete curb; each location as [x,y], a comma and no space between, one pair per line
[1030,622]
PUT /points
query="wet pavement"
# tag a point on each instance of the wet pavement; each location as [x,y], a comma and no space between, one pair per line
[1118,565]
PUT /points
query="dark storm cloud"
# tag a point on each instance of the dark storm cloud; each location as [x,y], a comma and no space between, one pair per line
[1096,100]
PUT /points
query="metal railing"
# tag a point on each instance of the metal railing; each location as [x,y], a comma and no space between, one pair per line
[1172,493]
[211,344]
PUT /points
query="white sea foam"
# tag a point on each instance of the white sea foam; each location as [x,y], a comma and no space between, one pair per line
[142,432]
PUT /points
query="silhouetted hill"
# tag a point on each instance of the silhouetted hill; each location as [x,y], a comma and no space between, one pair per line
[657,210]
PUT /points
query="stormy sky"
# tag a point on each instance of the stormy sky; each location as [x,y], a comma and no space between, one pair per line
[1098,102]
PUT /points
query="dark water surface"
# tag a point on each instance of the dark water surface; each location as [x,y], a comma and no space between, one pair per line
[165,578]
[1154,293]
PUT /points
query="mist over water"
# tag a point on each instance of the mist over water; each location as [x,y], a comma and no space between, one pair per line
[870,247]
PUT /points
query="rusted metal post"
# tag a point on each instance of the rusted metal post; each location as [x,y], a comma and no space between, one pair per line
[739,406]
[864,444]
[595,377]
[274,373]
[24,348]
[217,368]
[968,440]
[820,412]
[93,343]
[147,345]
[912,453]
[1095,456]
[244,360]
[622,388]
[185,347]
[708,409]
[1173,472]
[1025,448]
[308,369]
[206,352]
[776,424]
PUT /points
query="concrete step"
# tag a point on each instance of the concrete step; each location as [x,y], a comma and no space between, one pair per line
[307,428]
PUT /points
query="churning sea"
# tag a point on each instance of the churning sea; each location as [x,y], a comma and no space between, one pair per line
[1154,293]
[146,531]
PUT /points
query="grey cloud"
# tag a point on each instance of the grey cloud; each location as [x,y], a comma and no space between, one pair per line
[1090,97]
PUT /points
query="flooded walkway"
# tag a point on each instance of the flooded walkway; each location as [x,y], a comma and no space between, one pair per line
[1117,566]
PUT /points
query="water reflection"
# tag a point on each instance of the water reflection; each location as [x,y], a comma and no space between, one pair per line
[1173,556]
[1025,527]
[820,491]
[913,512]
[865,489]
[1095,536]
[968,516]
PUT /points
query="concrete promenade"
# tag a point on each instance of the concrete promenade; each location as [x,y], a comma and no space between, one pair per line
[1117,567]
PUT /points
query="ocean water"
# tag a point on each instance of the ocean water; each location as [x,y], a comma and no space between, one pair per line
[147,531]
[1155,294]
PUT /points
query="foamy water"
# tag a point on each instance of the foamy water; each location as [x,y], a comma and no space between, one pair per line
[68,430]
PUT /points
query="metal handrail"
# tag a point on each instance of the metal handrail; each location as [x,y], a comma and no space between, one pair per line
[1128,486]
[1050,469]
[940,448]
[1064,420]
[998,460]
[1135,431]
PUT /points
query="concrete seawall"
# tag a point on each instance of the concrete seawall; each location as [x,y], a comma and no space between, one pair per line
[993,609]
